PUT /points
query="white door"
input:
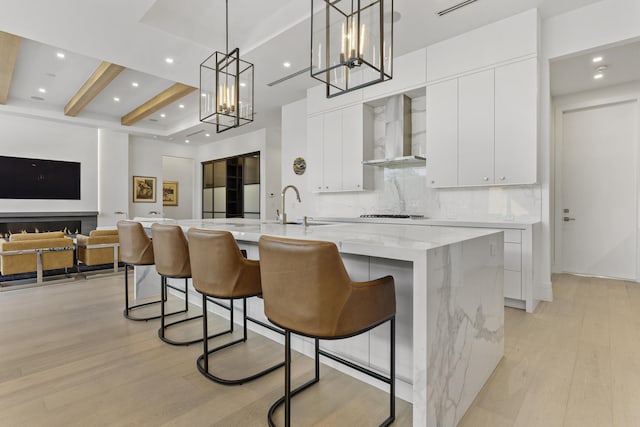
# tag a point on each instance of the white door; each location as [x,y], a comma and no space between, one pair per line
[599,191]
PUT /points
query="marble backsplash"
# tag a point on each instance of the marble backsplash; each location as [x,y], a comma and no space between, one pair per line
[404,190]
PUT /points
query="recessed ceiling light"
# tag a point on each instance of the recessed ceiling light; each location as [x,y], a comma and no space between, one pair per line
[207,135]
[155,136]
[134,84]
[181,105]
[598,76]
[163,115]
[597,59]
[286,64]
[204,94]
[115,98]
[60,55]
[243,84]
[186,141]
[168,60]
[42,90]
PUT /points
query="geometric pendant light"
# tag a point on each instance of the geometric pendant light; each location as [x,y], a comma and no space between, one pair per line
[351,43]
[226,88]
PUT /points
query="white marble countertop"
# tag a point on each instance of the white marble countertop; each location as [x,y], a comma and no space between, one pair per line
[486,222]
[398,241]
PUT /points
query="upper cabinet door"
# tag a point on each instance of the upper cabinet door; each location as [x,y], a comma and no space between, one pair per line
[332,151]
[475,127]
[516,107]
[315,143]
[409,71]
[352,143]
[442,134]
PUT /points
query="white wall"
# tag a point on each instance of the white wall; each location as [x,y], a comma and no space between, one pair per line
[267,142]
[562,35]
[113,177]
[27,137]
[182,171]
[145,159]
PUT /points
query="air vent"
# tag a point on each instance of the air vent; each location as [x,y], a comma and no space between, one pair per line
[290,76]
[456,7]
[195,133]
[153,120]
[37,98]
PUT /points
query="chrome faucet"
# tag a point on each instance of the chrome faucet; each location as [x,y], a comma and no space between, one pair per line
[283,217]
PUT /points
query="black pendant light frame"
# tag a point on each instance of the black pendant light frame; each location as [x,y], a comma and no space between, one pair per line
[348,62]
[223,104]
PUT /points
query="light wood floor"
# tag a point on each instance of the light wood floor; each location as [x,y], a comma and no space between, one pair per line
[69,358]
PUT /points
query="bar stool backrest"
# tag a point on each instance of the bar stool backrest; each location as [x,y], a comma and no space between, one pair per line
[218,267]
[171,250]
[135,246]
[305,286]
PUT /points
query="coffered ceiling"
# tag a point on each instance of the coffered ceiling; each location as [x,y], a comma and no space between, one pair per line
[139,35]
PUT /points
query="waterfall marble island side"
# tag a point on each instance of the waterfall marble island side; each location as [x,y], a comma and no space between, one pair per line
[450,314]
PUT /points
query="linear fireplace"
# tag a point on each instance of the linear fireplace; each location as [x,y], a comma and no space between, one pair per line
[70,222]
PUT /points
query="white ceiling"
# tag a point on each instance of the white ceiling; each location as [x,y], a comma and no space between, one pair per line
[575,74]
[140,34]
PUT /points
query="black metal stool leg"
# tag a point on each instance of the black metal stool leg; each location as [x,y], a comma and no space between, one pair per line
[288,393]
[127,308]
[287,378]
[163,325]
[203,361]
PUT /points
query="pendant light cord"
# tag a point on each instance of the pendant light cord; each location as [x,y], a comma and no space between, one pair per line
[226,23]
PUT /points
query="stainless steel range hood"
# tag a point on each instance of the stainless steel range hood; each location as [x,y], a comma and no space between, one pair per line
[397,135]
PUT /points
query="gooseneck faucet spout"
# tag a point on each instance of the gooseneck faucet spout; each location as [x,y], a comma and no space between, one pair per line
[283,217]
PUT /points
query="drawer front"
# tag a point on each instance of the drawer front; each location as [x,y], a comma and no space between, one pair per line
[513,236]
[512,256]
[512,284]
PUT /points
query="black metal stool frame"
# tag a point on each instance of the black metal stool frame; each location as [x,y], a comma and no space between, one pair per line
[288,393]
[163,325]
[127,308]
[203,361]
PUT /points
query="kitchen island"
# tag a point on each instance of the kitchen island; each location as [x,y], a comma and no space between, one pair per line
[450,316]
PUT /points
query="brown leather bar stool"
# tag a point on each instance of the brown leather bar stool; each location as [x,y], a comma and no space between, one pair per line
[172,261]
[221,271]
[135,249]
[307,291]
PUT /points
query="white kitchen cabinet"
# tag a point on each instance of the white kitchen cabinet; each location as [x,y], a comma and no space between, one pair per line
[475,129]
[490,117]
[338,143]
[318,102]
[315,140]
[409,72]
[331,147]
[516,107]
[442,134]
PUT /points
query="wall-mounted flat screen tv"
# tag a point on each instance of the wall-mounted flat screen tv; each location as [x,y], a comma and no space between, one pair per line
[22,178]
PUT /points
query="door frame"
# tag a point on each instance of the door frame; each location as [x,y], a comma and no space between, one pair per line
[597,100]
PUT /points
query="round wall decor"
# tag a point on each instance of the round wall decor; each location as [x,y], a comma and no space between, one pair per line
[299,165]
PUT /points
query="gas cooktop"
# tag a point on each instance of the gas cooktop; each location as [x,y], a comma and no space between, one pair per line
[397,216]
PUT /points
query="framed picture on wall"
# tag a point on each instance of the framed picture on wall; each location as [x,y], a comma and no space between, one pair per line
[144,189]
[169,193]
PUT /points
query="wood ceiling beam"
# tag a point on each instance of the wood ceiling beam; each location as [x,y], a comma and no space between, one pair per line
[101,77]
[9,46]
[175,92]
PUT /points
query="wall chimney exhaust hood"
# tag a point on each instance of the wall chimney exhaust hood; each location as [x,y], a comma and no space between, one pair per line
[397,146]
